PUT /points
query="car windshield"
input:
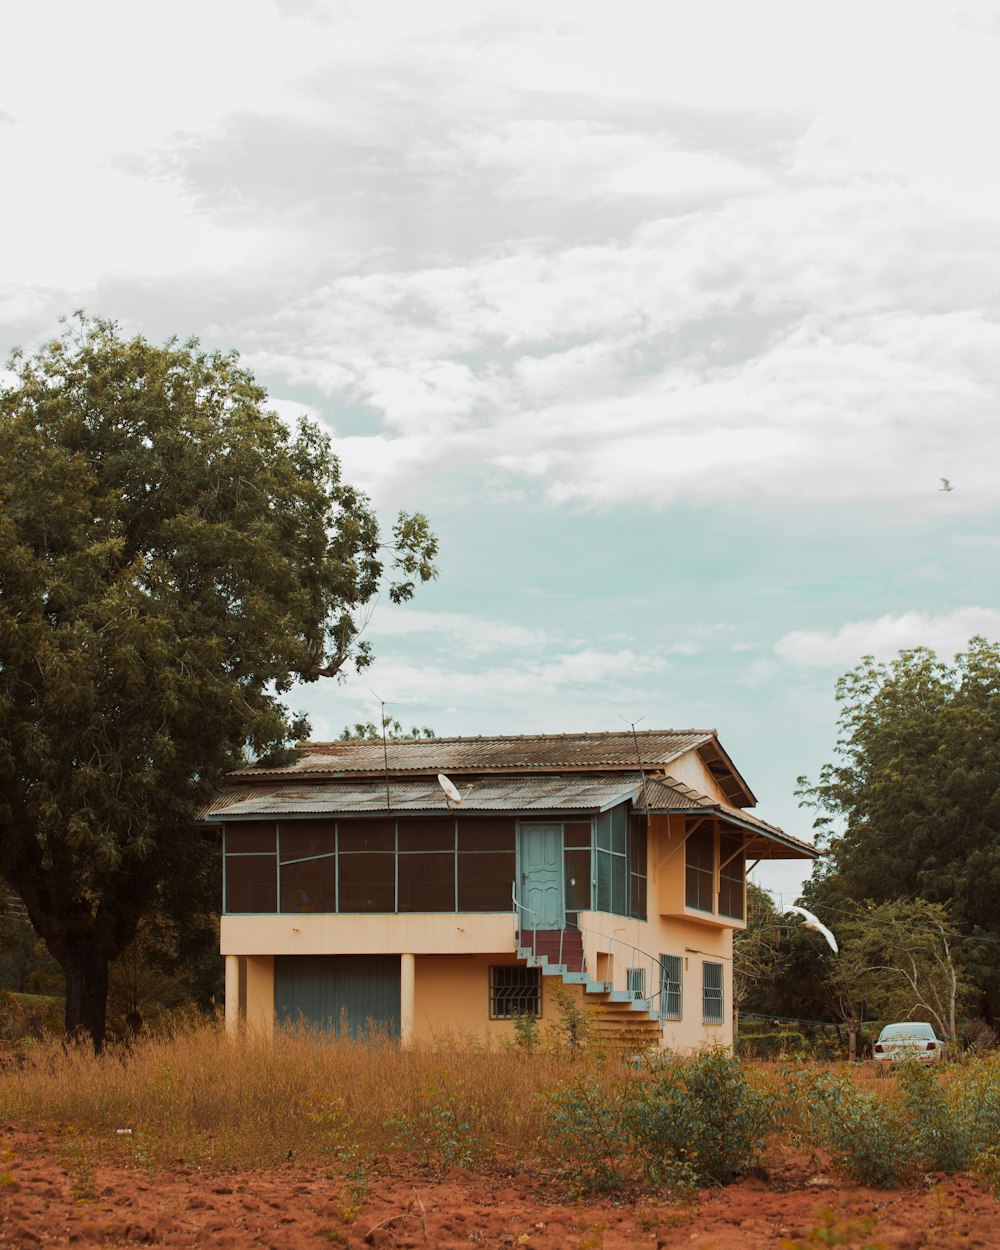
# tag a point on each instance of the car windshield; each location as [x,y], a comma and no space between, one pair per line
[922,1031]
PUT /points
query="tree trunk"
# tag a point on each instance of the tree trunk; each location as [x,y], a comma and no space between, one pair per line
[86,994]
[852,1042]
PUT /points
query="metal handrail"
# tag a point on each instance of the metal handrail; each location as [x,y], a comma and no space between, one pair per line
[639,956]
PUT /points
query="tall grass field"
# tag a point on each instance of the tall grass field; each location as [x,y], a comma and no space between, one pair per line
[598,1121]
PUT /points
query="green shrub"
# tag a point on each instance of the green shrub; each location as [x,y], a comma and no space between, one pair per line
[869,1137]
[699,1118]
[771,1045]
[685,1122]
[587,1133]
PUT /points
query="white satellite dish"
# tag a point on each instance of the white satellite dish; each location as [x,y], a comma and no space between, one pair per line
[817,926]
[450,790]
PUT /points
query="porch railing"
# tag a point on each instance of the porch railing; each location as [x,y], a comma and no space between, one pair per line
[637,972]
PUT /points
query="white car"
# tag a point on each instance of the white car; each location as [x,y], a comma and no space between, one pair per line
[913,1039]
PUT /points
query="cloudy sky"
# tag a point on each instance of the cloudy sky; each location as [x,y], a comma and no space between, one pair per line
[670,316]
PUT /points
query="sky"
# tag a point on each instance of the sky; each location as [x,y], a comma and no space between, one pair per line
[671,318]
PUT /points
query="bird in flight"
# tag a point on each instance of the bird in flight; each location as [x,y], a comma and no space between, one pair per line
[817,926]
[946,485]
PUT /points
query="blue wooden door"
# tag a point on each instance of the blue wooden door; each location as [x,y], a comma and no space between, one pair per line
[345,994]
[542,877]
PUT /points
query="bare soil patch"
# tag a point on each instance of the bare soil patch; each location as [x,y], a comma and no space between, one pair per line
[55,1196]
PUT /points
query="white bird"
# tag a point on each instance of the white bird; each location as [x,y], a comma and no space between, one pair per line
[946,485]
[817,926]
[450,790]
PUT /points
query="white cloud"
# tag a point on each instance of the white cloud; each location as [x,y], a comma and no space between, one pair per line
[470,634]
[653,260]
[882,638]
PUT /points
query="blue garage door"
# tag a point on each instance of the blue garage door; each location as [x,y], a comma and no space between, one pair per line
[349,994]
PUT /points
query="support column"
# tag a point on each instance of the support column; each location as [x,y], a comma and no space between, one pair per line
[407,987]
[232,994]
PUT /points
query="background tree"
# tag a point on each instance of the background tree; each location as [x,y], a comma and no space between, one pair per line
[916,790]
[907,951]
[171,558]
[757,955]
[368,731]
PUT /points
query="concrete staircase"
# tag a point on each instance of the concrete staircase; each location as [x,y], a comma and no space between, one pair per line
[617,1017]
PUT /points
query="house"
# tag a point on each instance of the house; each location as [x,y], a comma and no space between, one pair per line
[357,893]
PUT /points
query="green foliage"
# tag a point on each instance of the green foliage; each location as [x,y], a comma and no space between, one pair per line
[700,1116]
[686,1122]
[368,731]
[28,1016]
[757,953]
[915,790]
[171,560]
[572,1031]
[444,1128]
[527,1034]
[771,1045]
[836,1230]
[587,1133]
[869,1137]
[346,1142]
[943,1133]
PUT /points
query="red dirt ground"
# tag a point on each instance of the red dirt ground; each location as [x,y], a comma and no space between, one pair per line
[51,1198]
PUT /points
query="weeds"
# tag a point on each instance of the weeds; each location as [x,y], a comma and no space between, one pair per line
[684,1123]
[216,1103]
[868,1136]
[832,1230]
[699,1119]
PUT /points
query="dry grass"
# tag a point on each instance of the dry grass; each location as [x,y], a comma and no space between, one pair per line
[201,1098]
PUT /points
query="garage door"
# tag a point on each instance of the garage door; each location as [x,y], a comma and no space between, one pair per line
[343,993]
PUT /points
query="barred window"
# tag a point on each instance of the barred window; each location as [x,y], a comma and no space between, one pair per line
[671,973]
[636,982]
[514,991]
[712,993]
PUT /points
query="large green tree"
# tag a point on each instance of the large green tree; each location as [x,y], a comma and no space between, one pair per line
[911,808]
[172,558]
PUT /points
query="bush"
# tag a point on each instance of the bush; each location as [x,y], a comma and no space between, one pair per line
[771,1045]
[687,1122]
[699,1117]
[869,1137]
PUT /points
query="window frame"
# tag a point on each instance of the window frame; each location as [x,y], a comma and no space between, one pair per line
[496,975]
[666,987]
[711,994]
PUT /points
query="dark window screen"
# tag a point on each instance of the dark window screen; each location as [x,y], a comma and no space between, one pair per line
[367,882]
[427,882]
[251,883]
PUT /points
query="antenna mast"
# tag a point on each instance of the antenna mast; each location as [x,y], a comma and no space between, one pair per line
[638,757]
[385,750]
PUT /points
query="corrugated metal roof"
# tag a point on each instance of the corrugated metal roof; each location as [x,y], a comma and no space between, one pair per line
[525,752]
[571,793]
[496,794]
[667,794]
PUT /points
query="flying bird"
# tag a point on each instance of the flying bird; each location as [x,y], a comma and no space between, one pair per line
[451,793]
[817,926]
[946,485]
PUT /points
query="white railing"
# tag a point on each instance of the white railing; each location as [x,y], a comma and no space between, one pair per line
[645,988]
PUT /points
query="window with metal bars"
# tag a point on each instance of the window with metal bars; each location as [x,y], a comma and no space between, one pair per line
[712,993]
[671,972]
[514,991]
[637,982]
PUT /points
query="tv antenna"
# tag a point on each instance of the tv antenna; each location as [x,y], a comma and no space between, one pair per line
[385,749]
[638,756]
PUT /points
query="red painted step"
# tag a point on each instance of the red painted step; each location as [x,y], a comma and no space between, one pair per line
[559,946]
